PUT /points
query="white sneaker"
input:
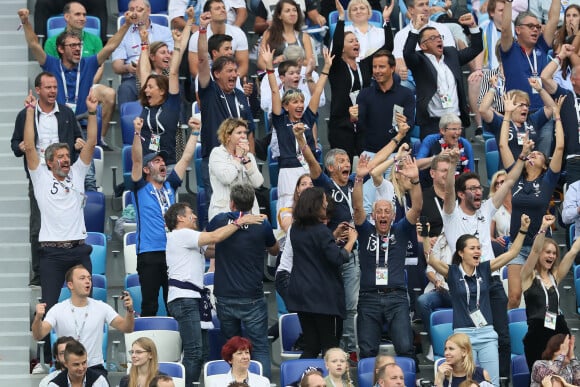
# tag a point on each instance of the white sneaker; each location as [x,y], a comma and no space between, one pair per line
[40,369]
[430,354]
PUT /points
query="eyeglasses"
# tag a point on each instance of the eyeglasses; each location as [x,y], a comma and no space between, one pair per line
[474,189]
[73,45]
[455,129]
[433,38]
[140,352]
[533,26]
[523,104]
[499,182]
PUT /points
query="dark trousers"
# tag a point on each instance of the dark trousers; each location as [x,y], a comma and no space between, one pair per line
[572,170]
[320,332]
[44,9]
[343,135]
[431,127]
[152,270]
[34,227]
[499,302]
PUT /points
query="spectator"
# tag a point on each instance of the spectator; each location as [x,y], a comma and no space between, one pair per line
[312,379]
[500,223]
[335,361]
[316,274]
[380,361]
[443,93]
[532,192]
[286,29]
[382,248]
[75,16]
[54,123]
[58,356]
[543,270]
[370,37]
[218,25]
[285,218]
[391,375]
[71,318]
[571,208]
[236,351]
[266,8]
[144,364]
[348,76]
[236,11]
[238,275]
[558,359]
[470,285]
[125,56]
[162,381]
[185,268]
[433,196]
[153,193]
[567,34]
[76,371]
[542,11]
[459,364]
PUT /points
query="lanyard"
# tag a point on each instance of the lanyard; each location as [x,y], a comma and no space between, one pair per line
[469,293]
[360,79]
[577,110]
[163,201]
[78,330]
[346,197]
[65,87]
[158,123]
[534,67]
[438,206]
[546,291]
[228,105]
[380,245]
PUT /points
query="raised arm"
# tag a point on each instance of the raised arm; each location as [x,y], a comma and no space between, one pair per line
[31,38]
[547,74]
[323,77]
[388,149]
[89,148]
[267,56]
[181,39]
[408,168]
[389,38]
[549,103]
[116,39]
[449,199]
[552,23]
[144,65]
[203,69]
[137,151]
[515,247]
[315,170]
[567,261]
[556,162]
[378,172]
[506,39]
[29,138]
[527,272]
[513,175]
[125,324]
[39,327]
[224,232]
[439,265]
[485,109]
[362,169]
[338,37]
[181,166]
[507,158]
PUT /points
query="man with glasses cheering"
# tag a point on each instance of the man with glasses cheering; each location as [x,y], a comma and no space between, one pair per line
[442,88]
[472,216]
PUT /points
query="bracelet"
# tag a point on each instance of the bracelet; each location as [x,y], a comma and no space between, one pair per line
[506,120]
[415,182]
[195,133]
[522,157]
[269,71]
[144,44]
[177,49]
[557,119]
[394,139]
[93,113]
[145,47]
[523,232]
[324,73]
[202,30]
[358,179]
[246,161]
[310,80]
[139,135]
[541,232]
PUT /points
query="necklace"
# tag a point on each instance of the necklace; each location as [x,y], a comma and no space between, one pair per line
[79,330]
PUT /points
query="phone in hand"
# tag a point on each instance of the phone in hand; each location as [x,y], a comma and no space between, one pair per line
[424,231]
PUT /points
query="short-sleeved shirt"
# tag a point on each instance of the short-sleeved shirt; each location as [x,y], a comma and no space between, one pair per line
[162,120]
[185,262]
[61,203]
[341,196]
[532,198]
[67,79]
[373,248]
[286,140]
[92,44]
[532,126]
[239,39]
[84,324]
[240,258]
[456,279]
[517,68]
[150,205]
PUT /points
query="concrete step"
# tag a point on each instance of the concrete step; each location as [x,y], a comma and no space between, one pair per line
[11,7]
[13,220]
[14,309]
[17,353]
[14,249]
[19,53]
[13,280]
[7,158]
[14,265]
[15,83]
[15,186]
[12,99]
[12,339]
[12,204]
[13,173]
[9,114]
[20,380]
[15,368]
[14,234]
[14,324]
[10,38]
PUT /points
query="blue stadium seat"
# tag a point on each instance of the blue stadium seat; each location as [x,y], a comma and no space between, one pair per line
[133,286]
[366,371]
[520,372]
[290,329]
[376,20]
[518,314]
[491,164]
[518,330]
[175,370]
[273,203]
[164,331]
[441,328]
[157,6]
[99,254]
[94,211]
[127,112]
[216,367]
[56,24]
[291,370]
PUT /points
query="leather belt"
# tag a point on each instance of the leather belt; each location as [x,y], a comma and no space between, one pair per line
[63,244]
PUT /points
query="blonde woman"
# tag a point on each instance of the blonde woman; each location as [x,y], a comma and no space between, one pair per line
[335,361]
[369,36]
[144,363]
[459,364]
[500,223]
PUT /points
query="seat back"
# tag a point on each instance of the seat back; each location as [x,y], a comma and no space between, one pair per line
[216,367]
[127,163]
[366,370]
[273,204]
[518,314]
[439,335]
[163,331]
[198,159]
[520,372]
[56,24]
[98,241]
[175,370]
[518,330]
[273,168]
[490,145]
[202,208]
[130,252]
[290,330]
[133,286]
[99,161]
[94,211]
[127,113]
[491,163]
[291,370]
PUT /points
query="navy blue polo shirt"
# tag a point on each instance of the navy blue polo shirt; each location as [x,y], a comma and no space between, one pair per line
[287,140]
[162,120]
[341,196]
[215,107]
[456,283]
[569,120]
[369,242]
[532,125]
[239,260]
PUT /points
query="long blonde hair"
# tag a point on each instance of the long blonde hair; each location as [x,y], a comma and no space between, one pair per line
[153,366]
[346,376]
[463,342]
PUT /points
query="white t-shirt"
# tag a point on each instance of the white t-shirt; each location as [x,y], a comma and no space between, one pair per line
[61,203]
[458,223]
[239,40]
[401,37]
[185,262]
[221,380]
[84,324]
[177,8]
[287,258]
[502,220]
[370,41]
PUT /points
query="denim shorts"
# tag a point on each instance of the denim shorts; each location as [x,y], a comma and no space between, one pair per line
[522,256]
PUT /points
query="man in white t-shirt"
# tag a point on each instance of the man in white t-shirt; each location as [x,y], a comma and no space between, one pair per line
[472,216]
[236,11]
[82,317]
[185,268]
[76,372]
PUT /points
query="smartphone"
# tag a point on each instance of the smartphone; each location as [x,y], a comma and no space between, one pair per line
[424,231]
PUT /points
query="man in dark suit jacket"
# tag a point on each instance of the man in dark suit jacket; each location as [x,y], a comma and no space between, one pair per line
[438,72]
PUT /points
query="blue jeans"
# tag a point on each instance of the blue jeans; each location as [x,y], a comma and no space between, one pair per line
[374,310]
[186,312]
[484,348]
[545,138]
[428,302]
[253,313]
[127,91]
[351,280]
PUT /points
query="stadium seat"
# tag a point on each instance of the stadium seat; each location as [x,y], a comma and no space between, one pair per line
[216,367]
[98,241]
[291,370]
[518,314]
[133,286]
[441,329]
[490,145]
[273,168]
[376,20]
[492,164]
[157,18]
[273,203]
[518,330]
[520,372]
[290,330]
[175,370]
[366,370]
[130,252]
[94,211]
[163,331]
[128,112]
[56,24]
[99,161]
